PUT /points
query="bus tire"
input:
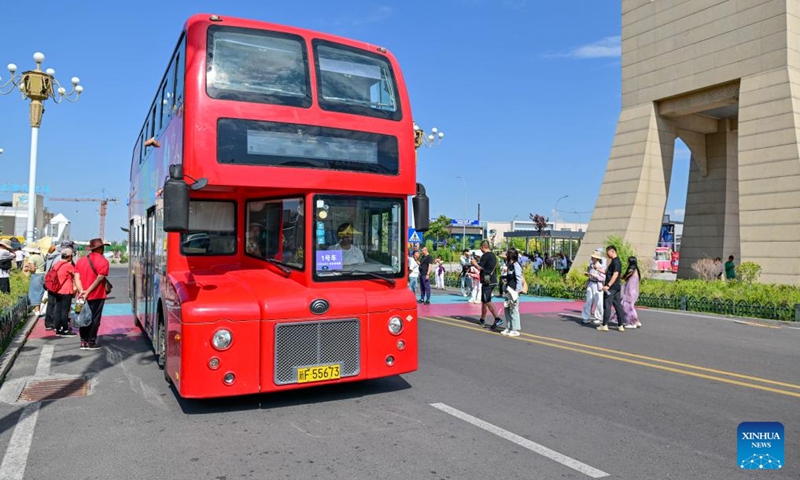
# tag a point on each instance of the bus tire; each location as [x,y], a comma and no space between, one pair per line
[135,313]
[162,348]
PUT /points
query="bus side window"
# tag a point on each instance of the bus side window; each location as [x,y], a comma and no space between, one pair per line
[168,95]
[180,73]
[159,109]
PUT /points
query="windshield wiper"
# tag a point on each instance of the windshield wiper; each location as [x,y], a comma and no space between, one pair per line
[283,267]
[350,273]
[353,101]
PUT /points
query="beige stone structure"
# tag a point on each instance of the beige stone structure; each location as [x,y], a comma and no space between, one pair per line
[724,77]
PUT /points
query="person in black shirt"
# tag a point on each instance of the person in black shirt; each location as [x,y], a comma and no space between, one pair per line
[424,279]
[611,287]
[488,277]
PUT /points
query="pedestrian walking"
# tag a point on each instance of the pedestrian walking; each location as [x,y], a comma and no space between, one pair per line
[68,283]
[93,268]
[464,280]
[718,270]
[475,278]
[611,288]
[630,293]
[514,283]
[53,258]
[439,273]
[424,277]
[413,272]
[596,275]
[7,258]
[35,265]
[19,257]
[730,269]
[488,273]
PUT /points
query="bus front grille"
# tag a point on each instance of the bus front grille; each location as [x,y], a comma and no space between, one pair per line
[300,345]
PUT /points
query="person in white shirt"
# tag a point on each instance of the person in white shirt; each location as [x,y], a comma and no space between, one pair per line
[6,259]
[413,272]
[20,258]
[351,255]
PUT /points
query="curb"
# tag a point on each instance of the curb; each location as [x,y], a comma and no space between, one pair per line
[16,346]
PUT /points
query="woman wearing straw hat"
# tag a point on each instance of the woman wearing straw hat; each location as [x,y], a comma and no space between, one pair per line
[7,258]
[594,290]
[69,283]
[35,265]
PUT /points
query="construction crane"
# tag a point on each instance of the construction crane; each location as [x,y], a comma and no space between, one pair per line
[103,206]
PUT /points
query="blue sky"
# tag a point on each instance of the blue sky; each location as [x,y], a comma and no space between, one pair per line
[527,90]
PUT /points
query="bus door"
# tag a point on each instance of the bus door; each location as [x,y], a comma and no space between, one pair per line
[150,272]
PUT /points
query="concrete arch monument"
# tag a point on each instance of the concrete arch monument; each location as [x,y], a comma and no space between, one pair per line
[724,77]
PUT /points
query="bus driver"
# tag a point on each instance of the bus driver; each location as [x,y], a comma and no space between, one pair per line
[351,255]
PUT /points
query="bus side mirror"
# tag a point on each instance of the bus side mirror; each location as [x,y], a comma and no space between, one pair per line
[176,201]
[421,210]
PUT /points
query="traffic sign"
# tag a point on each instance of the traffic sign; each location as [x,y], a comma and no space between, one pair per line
[414,236]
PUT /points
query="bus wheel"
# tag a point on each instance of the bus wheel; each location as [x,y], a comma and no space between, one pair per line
[162,349]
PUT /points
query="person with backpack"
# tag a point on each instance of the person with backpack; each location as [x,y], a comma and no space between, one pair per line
[514,286]
[93,268]
[53,258]
[488,272]
[63,282]
[7,258]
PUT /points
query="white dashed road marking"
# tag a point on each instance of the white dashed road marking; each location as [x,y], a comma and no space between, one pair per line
[523,442]
[16,458]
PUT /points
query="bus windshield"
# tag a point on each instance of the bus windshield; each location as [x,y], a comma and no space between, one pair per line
[357,236]
[257,66]
[275,231]
[355,81]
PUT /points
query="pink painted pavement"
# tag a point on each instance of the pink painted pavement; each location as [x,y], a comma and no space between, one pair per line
[111,325]
[567,306]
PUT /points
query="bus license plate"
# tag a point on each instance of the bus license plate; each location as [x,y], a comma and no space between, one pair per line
[319,373]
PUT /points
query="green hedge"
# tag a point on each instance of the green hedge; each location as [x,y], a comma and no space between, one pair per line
[13,308]
[758,300]
[19,287]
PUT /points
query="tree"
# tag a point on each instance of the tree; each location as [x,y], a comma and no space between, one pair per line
[539,222]
[439,229]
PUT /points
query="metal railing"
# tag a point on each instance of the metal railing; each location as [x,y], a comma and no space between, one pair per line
[10,320]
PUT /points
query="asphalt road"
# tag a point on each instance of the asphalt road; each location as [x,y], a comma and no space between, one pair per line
[663,402]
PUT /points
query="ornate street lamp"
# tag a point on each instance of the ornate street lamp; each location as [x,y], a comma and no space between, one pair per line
[432,139]
[37,86]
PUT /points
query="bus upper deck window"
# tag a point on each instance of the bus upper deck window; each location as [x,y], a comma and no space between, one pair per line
[355,81]
[257,66]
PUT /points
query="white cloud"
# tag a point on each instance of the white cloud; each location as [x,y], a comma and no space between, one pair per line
[380,14]
[677,214]
[605,48]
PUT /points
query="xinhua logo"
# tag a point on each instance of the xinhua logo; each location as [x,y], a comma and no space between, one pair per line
[760,445]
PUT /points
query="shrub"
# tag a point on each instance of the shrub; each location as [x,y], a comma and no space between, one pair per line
[706,269]
[748,272]
[624,250]
[19,286]
[576,278]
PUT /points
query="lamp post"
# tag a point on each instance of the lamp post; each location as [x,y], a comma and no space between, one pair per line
[555,213]
[555,220]
[37,86]
[464,234]
[432,139]
[511,229]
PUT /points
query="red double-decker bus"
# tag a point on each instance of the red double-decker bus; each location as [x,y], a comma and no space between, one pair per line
[268,205]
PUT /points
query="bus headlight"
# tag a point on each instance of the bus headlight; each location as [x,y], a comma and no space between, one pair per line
[222,339]
[395,325]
